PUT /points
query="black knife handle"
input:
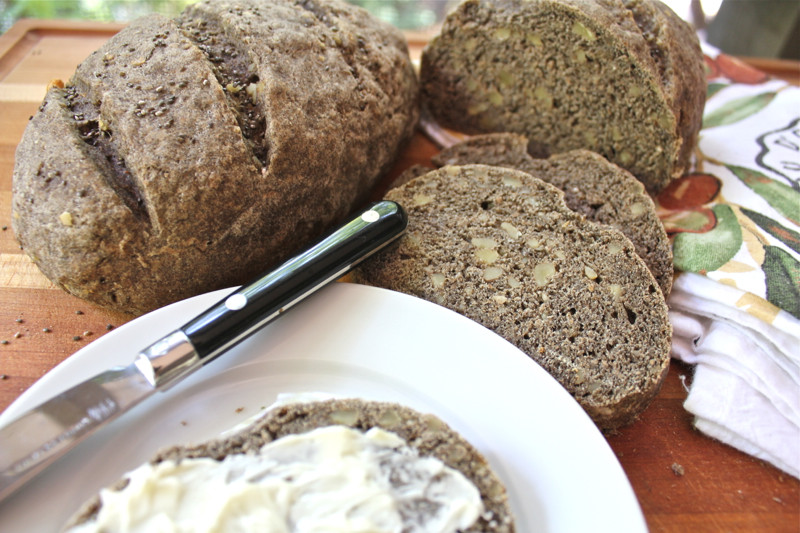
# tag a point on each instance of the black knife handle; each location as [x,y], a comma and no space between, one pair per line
[246,310]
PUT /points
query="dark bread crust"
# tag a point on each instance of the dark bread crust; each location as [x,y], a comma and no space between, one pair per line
[597,321]
[623,78]
[675,48]
[192,154]
[593,187]
[427,433]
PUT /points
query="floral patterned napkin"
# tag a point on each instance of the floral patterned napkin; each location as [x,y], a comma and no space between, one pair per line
[734,222]
[744,194]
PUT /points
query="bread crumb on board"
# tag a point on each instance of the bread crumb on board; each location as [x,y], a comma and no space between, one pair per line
[677,469]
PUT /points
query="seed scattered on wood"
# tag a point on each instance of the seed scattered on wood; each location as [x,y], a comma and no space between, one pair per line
[109,327]
[78,312]
[76,337]
[17,335]
[3,341]
[47,330]
[3,376]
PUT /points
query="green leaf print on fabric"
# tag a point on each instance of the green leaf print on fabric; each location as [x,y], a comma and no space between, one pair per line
[714,88]
[783,198]
[782,272]
[704,252]
[737,110]
[787,236]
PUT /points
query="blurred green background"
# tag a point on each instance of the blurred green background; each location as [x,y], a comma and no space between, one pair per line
[763,28]
[405,14]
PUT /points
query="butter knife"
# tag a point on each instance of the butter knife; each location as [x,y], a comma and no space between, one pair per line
[40,436]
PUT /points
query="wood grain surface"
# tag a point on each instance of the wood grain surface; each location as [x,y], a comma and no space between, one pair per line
[684,481]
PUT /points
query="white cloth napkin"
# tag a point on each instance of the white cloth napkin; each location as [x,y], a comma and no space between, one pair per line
[746,385]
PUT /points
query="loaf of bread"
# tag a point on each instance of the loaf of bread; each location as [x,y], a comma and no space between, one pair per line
[593,187]
[623,78]
[191,154]
[502,248]
[425,434]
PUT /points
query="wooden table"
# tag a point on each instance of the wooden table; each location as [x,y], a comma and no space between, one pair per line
[684,480]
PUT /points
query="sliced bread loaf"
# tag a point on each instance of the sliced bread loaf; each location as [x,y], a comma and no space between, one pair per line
[593,187]
[623,78]
[425,434]
[502,248]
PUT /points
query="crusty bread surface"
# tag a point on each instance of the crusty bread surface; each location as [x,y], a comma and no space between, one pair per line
[192,154]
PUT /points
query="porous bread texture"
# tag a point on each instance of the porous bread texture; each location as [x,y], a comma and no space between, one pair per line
[623,78]
[592,186]
[425,432]
[501,247]
[192,154]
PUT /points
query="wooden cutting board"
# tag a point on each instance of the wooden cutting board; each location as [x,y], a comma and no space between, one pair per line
[684,480]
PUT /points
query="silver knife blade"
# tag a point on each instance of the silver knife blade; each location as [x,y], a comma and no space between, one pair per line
[34,439]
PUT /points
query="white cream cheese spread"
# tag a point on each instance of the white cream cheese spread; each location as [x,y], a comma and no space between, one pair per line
[331,480]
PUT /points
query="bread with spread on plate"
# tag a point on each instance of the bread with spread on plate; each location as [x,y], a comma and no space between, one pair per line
[334,465]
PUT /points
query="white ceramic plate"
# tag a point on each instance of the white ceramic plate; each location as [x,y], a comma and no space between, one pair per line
[349,340]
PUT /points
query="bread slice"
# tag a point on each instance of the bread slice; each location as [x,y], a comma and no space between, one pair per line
[623,78]
[425,433]
[502,248]
[593,187]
